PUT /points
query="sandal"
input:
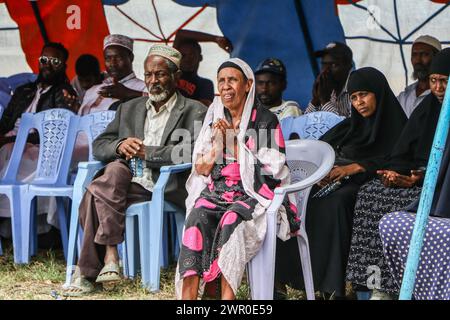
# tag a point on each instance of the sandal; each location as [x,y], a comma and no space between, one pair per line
[79,286]
[109,273]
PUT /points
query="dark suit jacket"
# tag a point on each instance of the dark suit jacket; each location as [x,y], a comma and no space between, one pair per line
[21,100]
[129,122]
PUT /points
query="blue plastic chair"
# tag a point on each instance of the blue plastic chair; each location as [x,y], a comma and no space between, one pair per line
[93,124]
[309,126]
[57,131]
[150,220]
[19,79]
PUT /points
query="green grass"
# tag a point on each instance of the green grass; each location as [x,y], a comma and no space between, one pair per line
[46,274]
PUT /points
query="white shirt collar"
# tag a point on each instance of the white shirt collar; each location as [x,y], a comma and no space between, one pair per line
[168,105]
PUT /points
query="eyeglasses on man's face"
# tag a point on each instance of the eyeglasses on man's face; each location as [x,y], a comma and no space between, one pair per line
[53,61]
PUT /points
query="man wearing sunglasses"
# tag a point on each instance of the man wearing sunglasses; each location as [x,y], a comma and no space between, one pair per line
[121,84]
[46,92]
[43,94]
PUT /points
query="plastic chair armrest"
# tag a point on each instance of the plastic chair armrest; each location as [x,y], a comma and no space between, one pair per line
[166,171]
[301,185]
[176,168]
[86,171]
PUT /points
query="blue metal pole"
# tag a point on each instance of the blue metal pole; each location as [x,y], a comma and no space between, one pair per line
[426,199]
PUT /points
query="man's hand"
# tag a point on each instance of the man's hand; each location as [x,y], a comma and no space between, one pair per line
[225,44]
[322,88]
[132,147]
[71,101]
[118,91]
[393,179]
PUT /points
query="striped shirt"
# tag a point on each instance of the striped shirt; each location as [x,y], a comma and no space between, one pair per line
[339,105]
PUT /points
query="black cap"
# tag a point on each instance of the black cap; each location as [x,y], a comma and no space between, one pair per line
[272,65]
[441,63]
[338,50]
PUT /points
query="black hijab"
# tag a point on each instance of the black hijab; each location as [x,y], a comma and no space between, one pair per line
[440,206]
[413,147]
[368,141]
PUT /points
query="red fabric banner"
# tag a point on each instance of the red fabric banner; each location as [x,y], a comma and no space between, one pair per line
[79,25]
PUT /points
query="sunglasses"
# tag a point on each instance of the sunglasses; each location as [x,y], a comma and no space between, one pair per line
[53,61]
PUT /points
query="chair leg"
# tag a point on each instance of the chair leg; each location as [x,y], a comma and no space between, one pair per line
[180,218]
[262,266]
[34,227]
[156,224]
[62,219]
[144,254]
[25,230]
[130,246]
[164,252]
[15,208]
[305,258]
[73,244]
[122,250]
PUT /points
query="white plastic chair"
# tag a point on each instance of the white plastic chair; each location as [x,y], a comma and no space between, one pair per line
[309,162]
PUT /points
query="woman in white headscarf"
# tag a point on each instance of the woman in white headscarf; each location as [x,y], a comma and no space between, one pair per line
[239,160]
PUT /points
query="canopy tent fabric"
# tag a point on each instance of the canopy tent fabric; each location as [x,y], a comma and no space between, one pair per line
[59,27]
[379,32]
[264,28]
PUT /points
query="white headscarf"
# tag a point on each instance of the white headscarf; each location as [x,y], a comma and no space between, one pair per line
[196,183]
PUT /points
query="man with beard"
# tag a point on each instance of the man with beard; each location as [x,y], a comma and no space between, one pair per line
[270,78]
[121,84]
[45,93]
[150,129]
[423,50]
[329,89]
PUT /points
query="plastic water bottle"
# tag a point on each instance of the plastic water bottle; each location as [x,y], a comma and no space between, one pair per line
[137,167]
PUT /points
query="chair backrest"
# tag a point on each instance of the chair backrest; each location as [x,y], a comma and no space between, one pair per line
[305,157]
[93,124]
[19,79]
[57,130]
[310,126]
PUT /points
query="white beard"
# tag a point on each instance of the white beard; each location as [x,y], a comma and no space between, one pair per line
[159,97]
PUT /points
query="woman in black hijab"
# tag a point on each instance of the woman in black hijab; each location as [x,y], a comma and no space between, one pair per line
[433,276]
[361,142]
[398,186]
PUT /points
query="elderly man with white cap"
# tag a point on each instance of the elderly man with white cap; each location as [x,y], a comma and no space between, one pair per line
[150,130]
[423,50]
[121,84]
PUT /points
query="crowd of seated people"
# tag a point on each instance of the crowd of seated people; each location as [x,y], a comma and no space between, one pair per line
[381,153]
